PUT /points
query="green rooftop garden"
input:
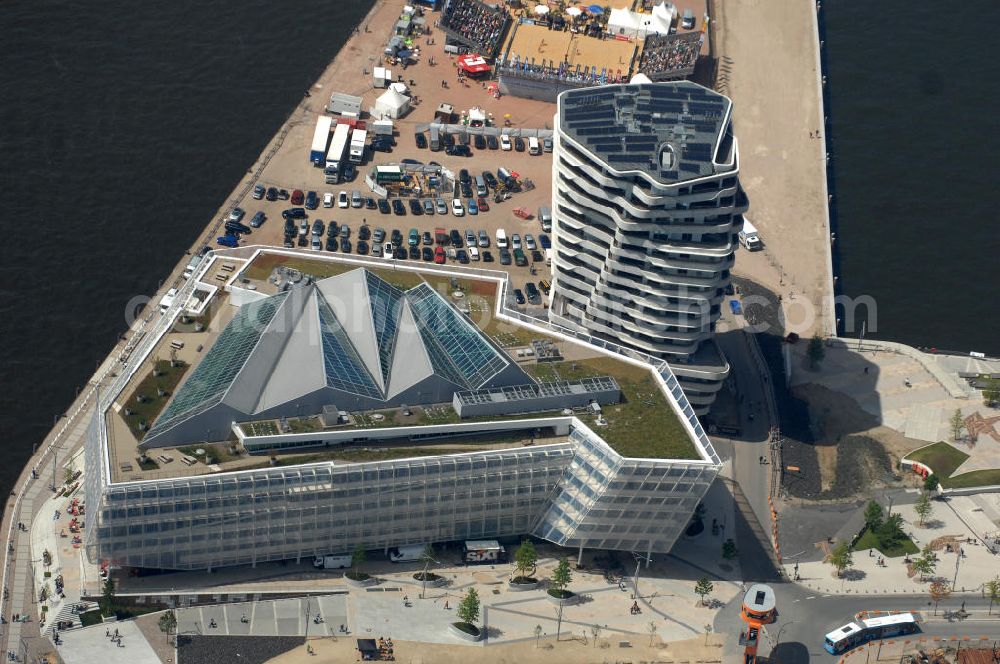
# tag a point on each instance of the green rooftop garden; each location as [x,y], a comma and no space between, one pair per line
[145,403]
[262,267]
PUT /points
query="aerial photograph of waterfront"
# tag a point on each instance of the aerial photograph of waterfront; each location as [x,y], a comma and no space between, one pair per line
[522,330]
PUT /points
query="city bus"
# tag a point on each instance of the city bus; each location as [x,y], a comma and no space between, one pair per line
[853,635]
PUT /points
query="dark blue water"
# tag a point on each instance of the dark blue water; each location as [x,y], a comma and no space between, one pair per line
[123,126]
[912,104]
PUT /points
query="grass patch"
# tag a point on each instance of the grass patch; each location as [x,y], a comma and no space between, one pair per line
[91,618]
[265,428]
[941,457]
[870,540]
[150,408]
[218,453]
[989,477]
[304,424]
[644,425]
[262,266]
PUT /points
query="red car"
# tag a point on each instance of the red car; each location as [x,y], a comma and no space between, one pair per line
[483,205]
[298,197]
[439,256]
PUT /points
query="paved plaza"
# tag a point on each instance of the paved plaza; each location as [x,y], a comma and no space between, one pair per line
[91,645]
[282,617]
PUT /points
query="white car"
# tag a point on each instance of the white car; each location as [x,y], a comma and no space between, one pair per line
[529,242]
[505,142]
[328,199]
[342,200]
[457,208]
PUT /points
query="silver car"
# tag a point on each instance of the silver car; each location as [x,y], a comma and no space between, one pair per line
[484,239]
[356,200]
[442,207]
[470,238]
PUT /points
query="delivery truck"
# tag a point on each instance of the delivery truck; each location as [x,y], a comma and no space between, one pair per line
[749,237]
[483,552]
[335,155]
[407,554]
[332,562]
[358,140]
[321,138]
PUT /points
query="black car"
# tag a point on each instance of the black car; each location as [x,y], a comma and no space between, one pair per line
[332,229]
[415,207]
[350,172]
[459,151]
[463,176]
[396,237]
[414,253]
[381,146]
[398,207]
[312,201]
[487,256]
[536,256]
[520,259]
[331,243]
[364,233]
[504,257]
[370,204]
[427,254]
[304,240]
[345,246]
[362,248]
[318,227]
[448,140]
[518,296]
[479,142]
[534,297]
[289,227]
[466,190]
[427,239]
[294,213]
[519,144]
[283,194]
[399,253]
[492,143]
[490,180]
[383,206]
[272,194]
[421,140]
[456,239]
[462,257]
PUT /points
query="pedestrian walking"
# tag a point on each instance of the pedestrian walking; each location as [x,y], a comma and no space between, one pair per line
[107,632]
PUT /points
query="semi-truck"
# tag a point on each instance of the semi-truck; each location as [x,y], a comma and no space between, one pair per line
[321,138]
[335,155]
[332,562]
[483,551]
[358,139]
[749,237]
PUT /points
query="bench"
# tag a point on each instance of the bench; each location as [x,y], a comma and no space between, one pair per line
[188,460]
[227,267]
[163,458]
[177,345]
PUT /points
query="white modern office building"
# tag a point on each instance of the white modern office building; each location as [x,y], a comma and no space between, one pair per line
[647,209]
[571,487]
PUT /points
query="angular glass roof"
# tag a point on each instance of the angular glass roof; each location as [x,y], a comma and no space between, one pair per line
[344,368]
[457,349]
[215,373]
[385,301]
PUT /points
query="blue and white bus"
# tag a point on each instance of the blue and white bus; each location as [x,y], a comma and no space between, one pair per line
[853,635]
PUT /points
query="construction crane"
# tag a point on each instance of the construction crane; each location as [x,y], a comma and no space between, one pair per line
[759,609]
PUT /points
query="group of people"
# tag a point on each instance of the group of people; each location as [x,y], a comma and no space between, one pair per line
[478,23]
[115,637]
[662,54]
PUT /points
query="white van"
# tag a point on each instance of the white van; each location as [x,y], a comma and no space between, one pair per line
[407,554]
[501,238]
[533,146]
[473,254]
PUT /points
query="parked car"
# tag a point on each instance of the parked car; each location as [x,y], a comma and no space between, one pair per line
[473,207]
[303,240]
[544,241]
[350,172]
[470,238]
[456,207]
[272,194]
[317,244]
[414,237]
[227,241]
[421,140]
[529,242]
[504,257]
[415,207]
[398,208]
[484,239]
[236,214]
[515,241]
[487,256]
[458,151]
[331,243]
[439,256]
[362,248]
[342,200]
[492,143]
[304,227]
[534,297]
[413,253]
[364,232]
[456,238]
[345,245]
[294,213]
[383,206]
[483,205]
[370,203]
[480,142]
[427,254]
[356,199]
[518,144]
[462,256]
[312,200]
[345,231]
[284,195]
[379,236]
[332,229]
[520,259]
[518,296]
[547,144]
[258,219]
[328,199]
[396,237]
[426,239]
[258,192]
[442,206]
[505,143]
[466,189]
[318,227]
[536,256]
[428,206]
[491,180]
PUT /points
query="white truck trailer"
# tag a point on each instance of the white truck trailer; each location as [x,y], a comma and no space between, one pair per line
[321,138]
[749,237]
[335,155]
[358,140]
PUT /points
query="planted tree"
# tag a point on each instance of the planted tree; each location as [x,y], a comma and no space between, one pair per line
[358,559]
[108,601]
[873,515]
[957,423]
[729,550]
[468,612]
[816,352]
[703,588]
[595,631]
[993,592]
[560,579]
[167,622]
[890,534]
[841,558]
[991,393]
[925,563]
[427,557]
[939,590]
[923,507]
[651,628]
[931,482]
[525,561]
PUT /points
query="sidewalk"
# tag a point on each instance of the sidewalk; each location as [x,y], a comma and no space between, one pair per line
[865,577]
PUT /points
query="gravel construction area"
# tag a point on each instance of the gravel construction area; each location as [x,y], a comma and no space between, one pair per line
[233,649]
